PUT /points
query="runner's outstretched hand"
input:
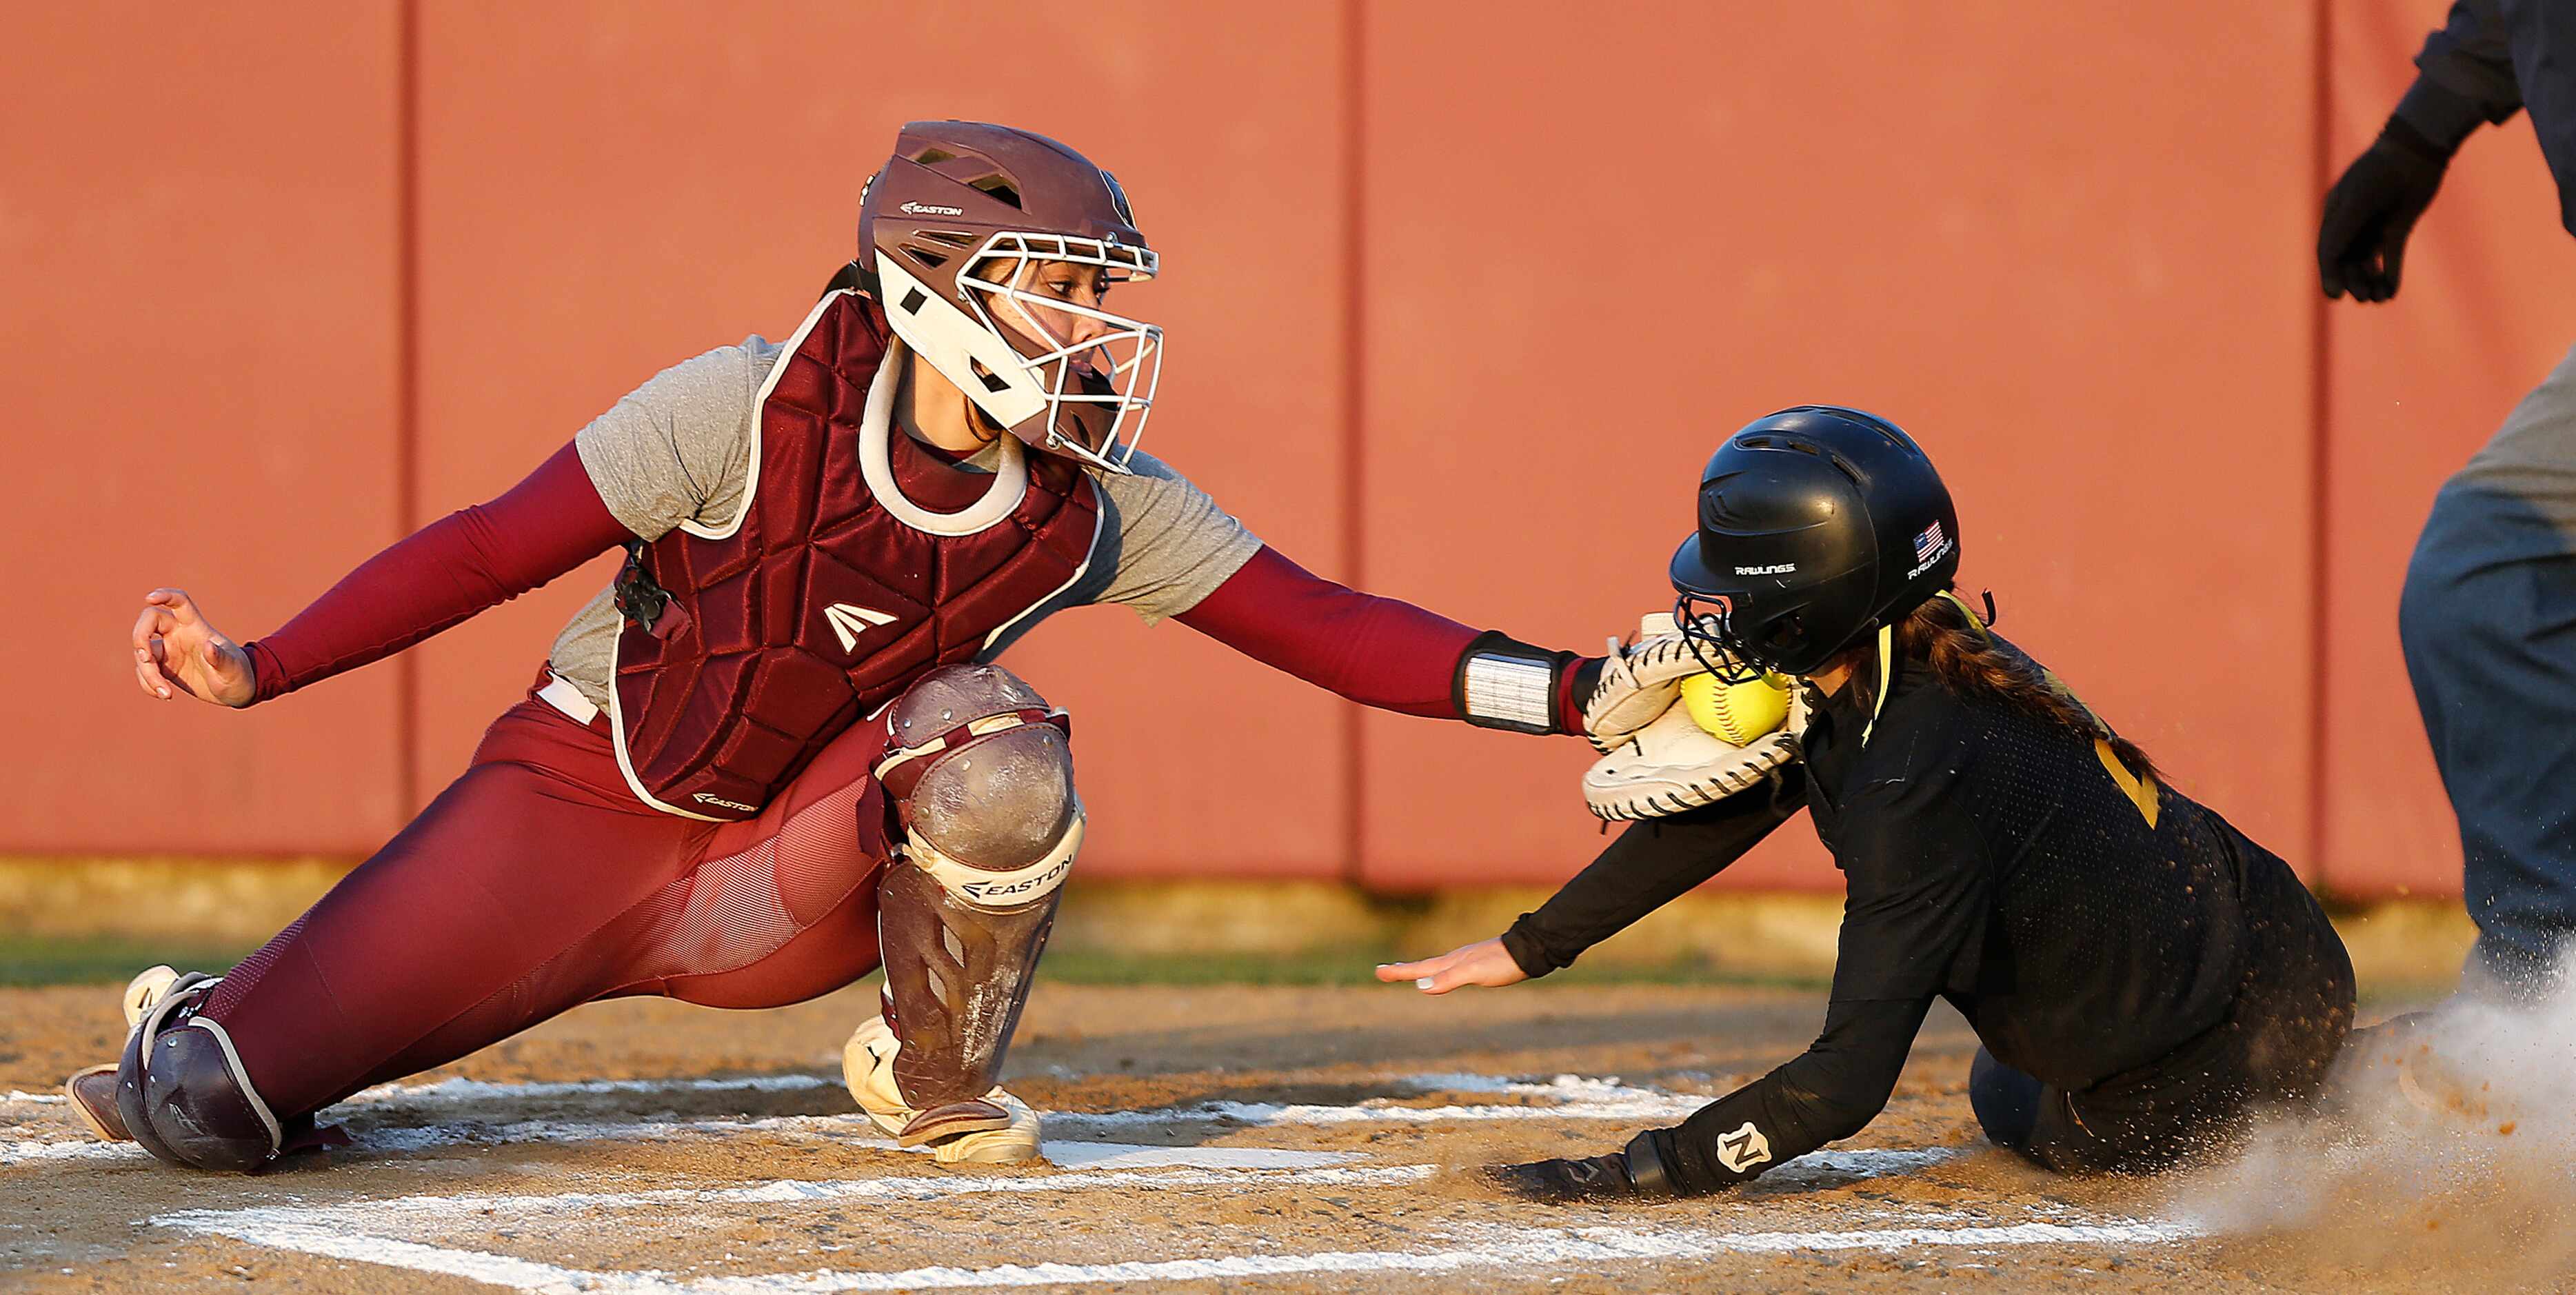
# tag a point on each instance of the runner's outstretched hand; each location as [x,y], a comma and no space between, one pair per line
[176,651]
[1486,962]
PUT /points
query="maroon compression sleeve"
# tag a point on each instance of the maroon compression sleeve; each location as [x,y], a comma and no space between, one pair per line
[1380,652]
[445,572]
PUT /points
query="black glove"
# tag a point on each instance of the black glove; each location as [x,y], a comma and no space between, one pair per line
[2361,244]
[1634,1174]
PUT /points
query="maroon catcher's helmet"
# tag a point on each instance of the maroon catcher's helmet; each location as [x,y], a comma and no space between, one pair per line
[959,194]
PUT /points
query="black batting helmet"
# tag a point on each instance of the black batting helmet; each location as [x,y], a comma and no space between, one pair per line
[1817,525]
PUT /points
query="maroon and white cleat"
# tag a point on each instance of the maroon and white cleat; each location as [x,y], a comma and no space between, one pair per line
[93,1090]
[997,1129]
[93,1094]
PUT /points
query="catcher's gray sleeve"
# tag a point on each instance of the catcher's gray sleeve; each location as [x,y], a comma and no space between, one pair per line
[678,448]
[1173,545]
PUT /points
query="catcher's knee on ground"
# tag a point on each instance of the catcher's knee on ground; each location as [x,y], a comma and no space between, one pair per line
[981,774]
[181,1090]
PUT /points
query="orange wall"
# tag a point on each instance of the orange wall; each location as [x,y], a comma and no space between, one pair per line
[197,217]
[1696,229]
[1458,308]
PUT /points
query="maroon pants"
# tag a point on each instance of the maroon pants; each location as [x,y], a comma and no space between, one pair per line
[538,882]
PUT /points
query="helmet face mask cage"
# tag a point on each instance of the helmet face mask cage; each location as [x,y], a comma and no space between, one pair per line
[1112,377]
[957,196]
[1709,630]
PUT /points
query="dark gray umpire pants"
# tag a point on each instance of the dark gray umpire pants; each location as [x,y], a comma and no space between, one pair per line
[2488,619]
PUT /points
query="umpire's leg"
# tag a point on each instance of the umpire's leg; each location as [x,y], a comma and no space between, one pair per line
[2488,620]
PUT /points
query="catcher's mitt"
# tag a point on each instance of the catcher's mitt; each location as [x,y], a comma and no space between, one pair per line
[1639,681]
[1672,765]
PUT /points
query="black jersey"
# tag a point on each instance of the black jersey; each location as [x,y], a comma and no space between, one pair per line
[2087,922]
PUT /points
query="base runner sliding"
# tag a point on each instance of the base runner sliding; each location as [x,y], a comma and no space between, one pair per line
[776,753]
[2140,974]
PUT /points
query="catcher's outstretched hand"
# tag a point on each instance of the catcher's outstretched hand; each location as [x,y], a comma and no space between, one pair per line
[1486,962]
[176,651]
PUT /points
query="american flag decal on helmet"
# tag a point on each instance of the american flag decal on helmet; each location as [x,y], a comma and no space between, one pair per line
[1929,542]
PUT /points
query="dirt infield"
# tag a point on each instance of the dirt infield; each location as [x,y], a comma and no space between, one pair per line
[1277,1139]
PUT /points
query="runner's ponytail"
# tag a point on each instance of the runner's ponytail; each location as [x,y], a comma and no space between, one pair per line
[1943,634]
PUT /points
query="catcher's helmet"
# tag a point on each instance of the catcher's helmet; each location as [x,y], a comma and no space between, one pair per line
[1816,525]
[959,194]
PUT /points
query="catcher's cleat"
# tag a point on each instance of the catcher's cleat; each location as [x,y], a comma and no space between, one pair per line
[93,1096]
[93,1090]
[997,1129]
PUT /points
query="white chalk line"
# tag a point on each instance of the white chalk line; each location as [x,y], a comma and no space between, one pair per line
[331,1231]
[345,1232]
[852,1130]
[845,1130]
[1819,1167]
[472,1265]
[1196,1167]
[1491,1247]
[1566,1097]
[1653,1110]
[1604,1088]
[29,1151]
[435,1209]
[449,1092]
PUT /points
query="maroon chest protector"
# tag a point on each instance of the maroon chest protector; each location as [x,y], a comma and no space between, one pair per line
[743,654]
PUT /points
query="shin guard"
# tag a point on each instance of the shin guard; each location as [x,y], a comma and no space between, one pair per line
[981,774]
[956,978]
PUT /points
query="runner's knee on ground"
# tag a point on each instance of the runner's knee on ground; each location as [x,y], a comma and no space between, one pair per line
[2006,1101]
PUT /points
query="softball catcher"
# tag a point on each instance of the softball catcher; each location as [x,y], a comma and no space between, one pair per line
[776,752]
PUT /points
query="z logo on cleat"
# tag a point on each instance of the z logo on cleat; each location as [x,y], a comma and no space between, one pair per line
[1744,1148]
[849,622]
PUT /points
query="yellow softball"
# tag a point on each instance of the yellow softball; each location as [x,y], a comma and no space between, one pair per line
[1737,712]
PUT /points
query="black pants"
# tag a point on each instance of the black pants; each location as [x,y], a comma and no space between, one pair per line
[2274,1049]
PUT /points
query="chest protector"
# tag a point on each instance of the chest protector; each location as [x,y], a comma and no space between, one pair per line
[746,649]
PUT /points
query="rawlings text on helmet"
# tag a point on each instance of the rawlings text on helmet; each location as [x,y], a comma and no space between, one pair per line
[1932,545]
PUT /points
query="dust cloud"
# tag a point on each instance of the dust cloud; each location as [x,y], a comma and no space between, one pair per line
[2446,1148]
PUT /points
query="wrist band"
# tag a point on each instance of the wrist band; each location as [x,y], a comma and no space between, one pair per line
[1507,684]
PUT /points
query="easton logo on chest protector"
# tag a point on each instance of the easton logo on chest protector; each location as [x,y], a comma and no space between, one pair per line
[850,622]
[748,648]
